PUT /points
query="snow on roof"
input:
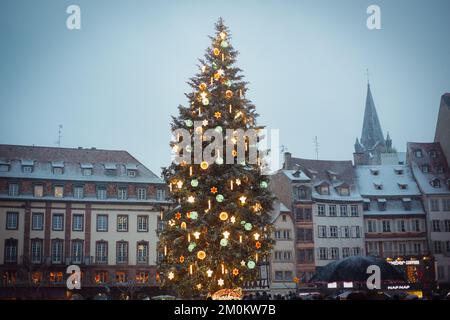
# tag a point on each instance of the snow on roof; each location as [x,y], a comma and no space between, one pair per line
[434,158]
[296,175]
[388,178]
[57,164]
[110,166]
[278,208]
[394,207]
[74,161]
[131,166]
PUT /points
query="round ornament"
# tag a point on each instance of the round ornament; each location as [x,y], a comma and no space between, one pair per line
[194,183]
[201,255]
[219,198]
[223,242]
[193,215]
[191,246]
[223,216]
[224,44]
[189,123]
[216,51]
[205,101]
[251,264]
[228,94]
[264,184]
[248,226]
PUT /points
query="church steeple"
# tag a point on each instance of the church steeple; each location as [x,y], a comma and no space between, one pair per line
[371,135]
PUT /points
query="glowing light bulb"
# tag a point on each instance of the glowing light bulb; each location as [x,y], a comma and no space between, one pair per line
[226,234]
[196,235]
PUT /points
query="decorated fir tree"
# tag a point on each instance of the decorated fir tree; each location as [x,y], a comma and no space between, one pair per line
[220,229]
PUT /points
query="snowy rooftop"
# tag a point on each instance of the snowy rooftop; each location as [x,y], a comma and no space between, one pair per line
[431,169]
[278,208]
[44,159]
[296,175]
[386,180]
[394,207]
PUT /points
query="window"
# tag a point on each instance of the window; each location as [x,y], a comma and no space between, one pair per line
[435,183]
[425,168]
[142,276]
[278,275]
[432,154]
[102,222]
[57,251]
[378,186]
[356,232]
[160,194]
[345,191]
[13,189]
[101,192]
[305,255]
[334,253]
[284,217]
[415,225]
[323,254]
[57,170]
[58,222]
[356,251]
[398,171]
[407,204]
[382,204]
[303,214]
[366,205]
[56,277]
[447,246]
[332,212]
[36,251]
[87,172]
[131,173]
[418,153]
[142,193]
[122,252]
[447,225]
[446,204]
[333,232]
[436,226]
[4,167]
[304,235]
[101,277]
[321,210]
[38,191]
[322,231]
[434,204]
[142,224]
[324,189]
[345,252]
[345,232]
[77,251]
[58,191]
[142,252]
[12,220]
[37,221]
[440,169]
[371,226]
[10,251]
[122,223]
[343,210]
[437,247]
[302,193]
[101,252]
[386,226]
[401,227]
[78,192]
[27,169]
[122,193]
[403,186]
[354,211]
[417,248]
[286,234]
[77,222]
[287,256]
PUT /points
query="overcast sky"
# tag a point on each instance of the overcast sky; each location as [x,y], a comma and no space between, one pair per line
[115,83]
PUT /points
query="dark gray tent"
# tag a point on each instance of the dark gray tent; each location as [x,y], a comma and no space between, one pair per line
[355,269]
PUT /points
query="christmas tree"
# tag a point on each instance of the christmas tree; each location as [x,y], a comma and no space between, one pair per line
[220,229]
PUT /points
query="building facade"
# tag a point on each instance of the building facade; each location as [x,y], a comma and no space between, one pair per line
[282,258]
[336,211]
[292,187]
[431,171]
[97,209]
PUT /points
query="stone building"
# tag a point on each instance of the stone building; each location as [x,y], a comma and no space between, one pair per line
[97,209]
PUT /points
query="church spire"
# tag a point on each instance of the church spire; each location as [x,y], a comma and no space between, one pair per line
[371,135]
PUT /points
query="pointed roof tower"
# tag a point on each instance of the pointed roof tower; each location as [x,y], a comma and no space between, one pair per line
[371,135]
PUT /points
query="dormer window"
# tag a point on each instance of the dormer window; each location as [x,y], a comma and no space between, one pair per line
[382,204]
[366,204]
[418,153]
[344,191]
[440,169]
[58,167]
[407,203]
[435,183]
[378,186]
[425,168]
[86,169]
[27,166]
[110,169]
[131,169]
[4,166]
[374,171]
[324,189]
[433,154]
[297,173]
[398,171]
[402,186]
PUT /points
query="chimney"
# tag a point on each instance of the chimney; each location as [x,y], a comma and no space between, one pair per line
[287,160]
